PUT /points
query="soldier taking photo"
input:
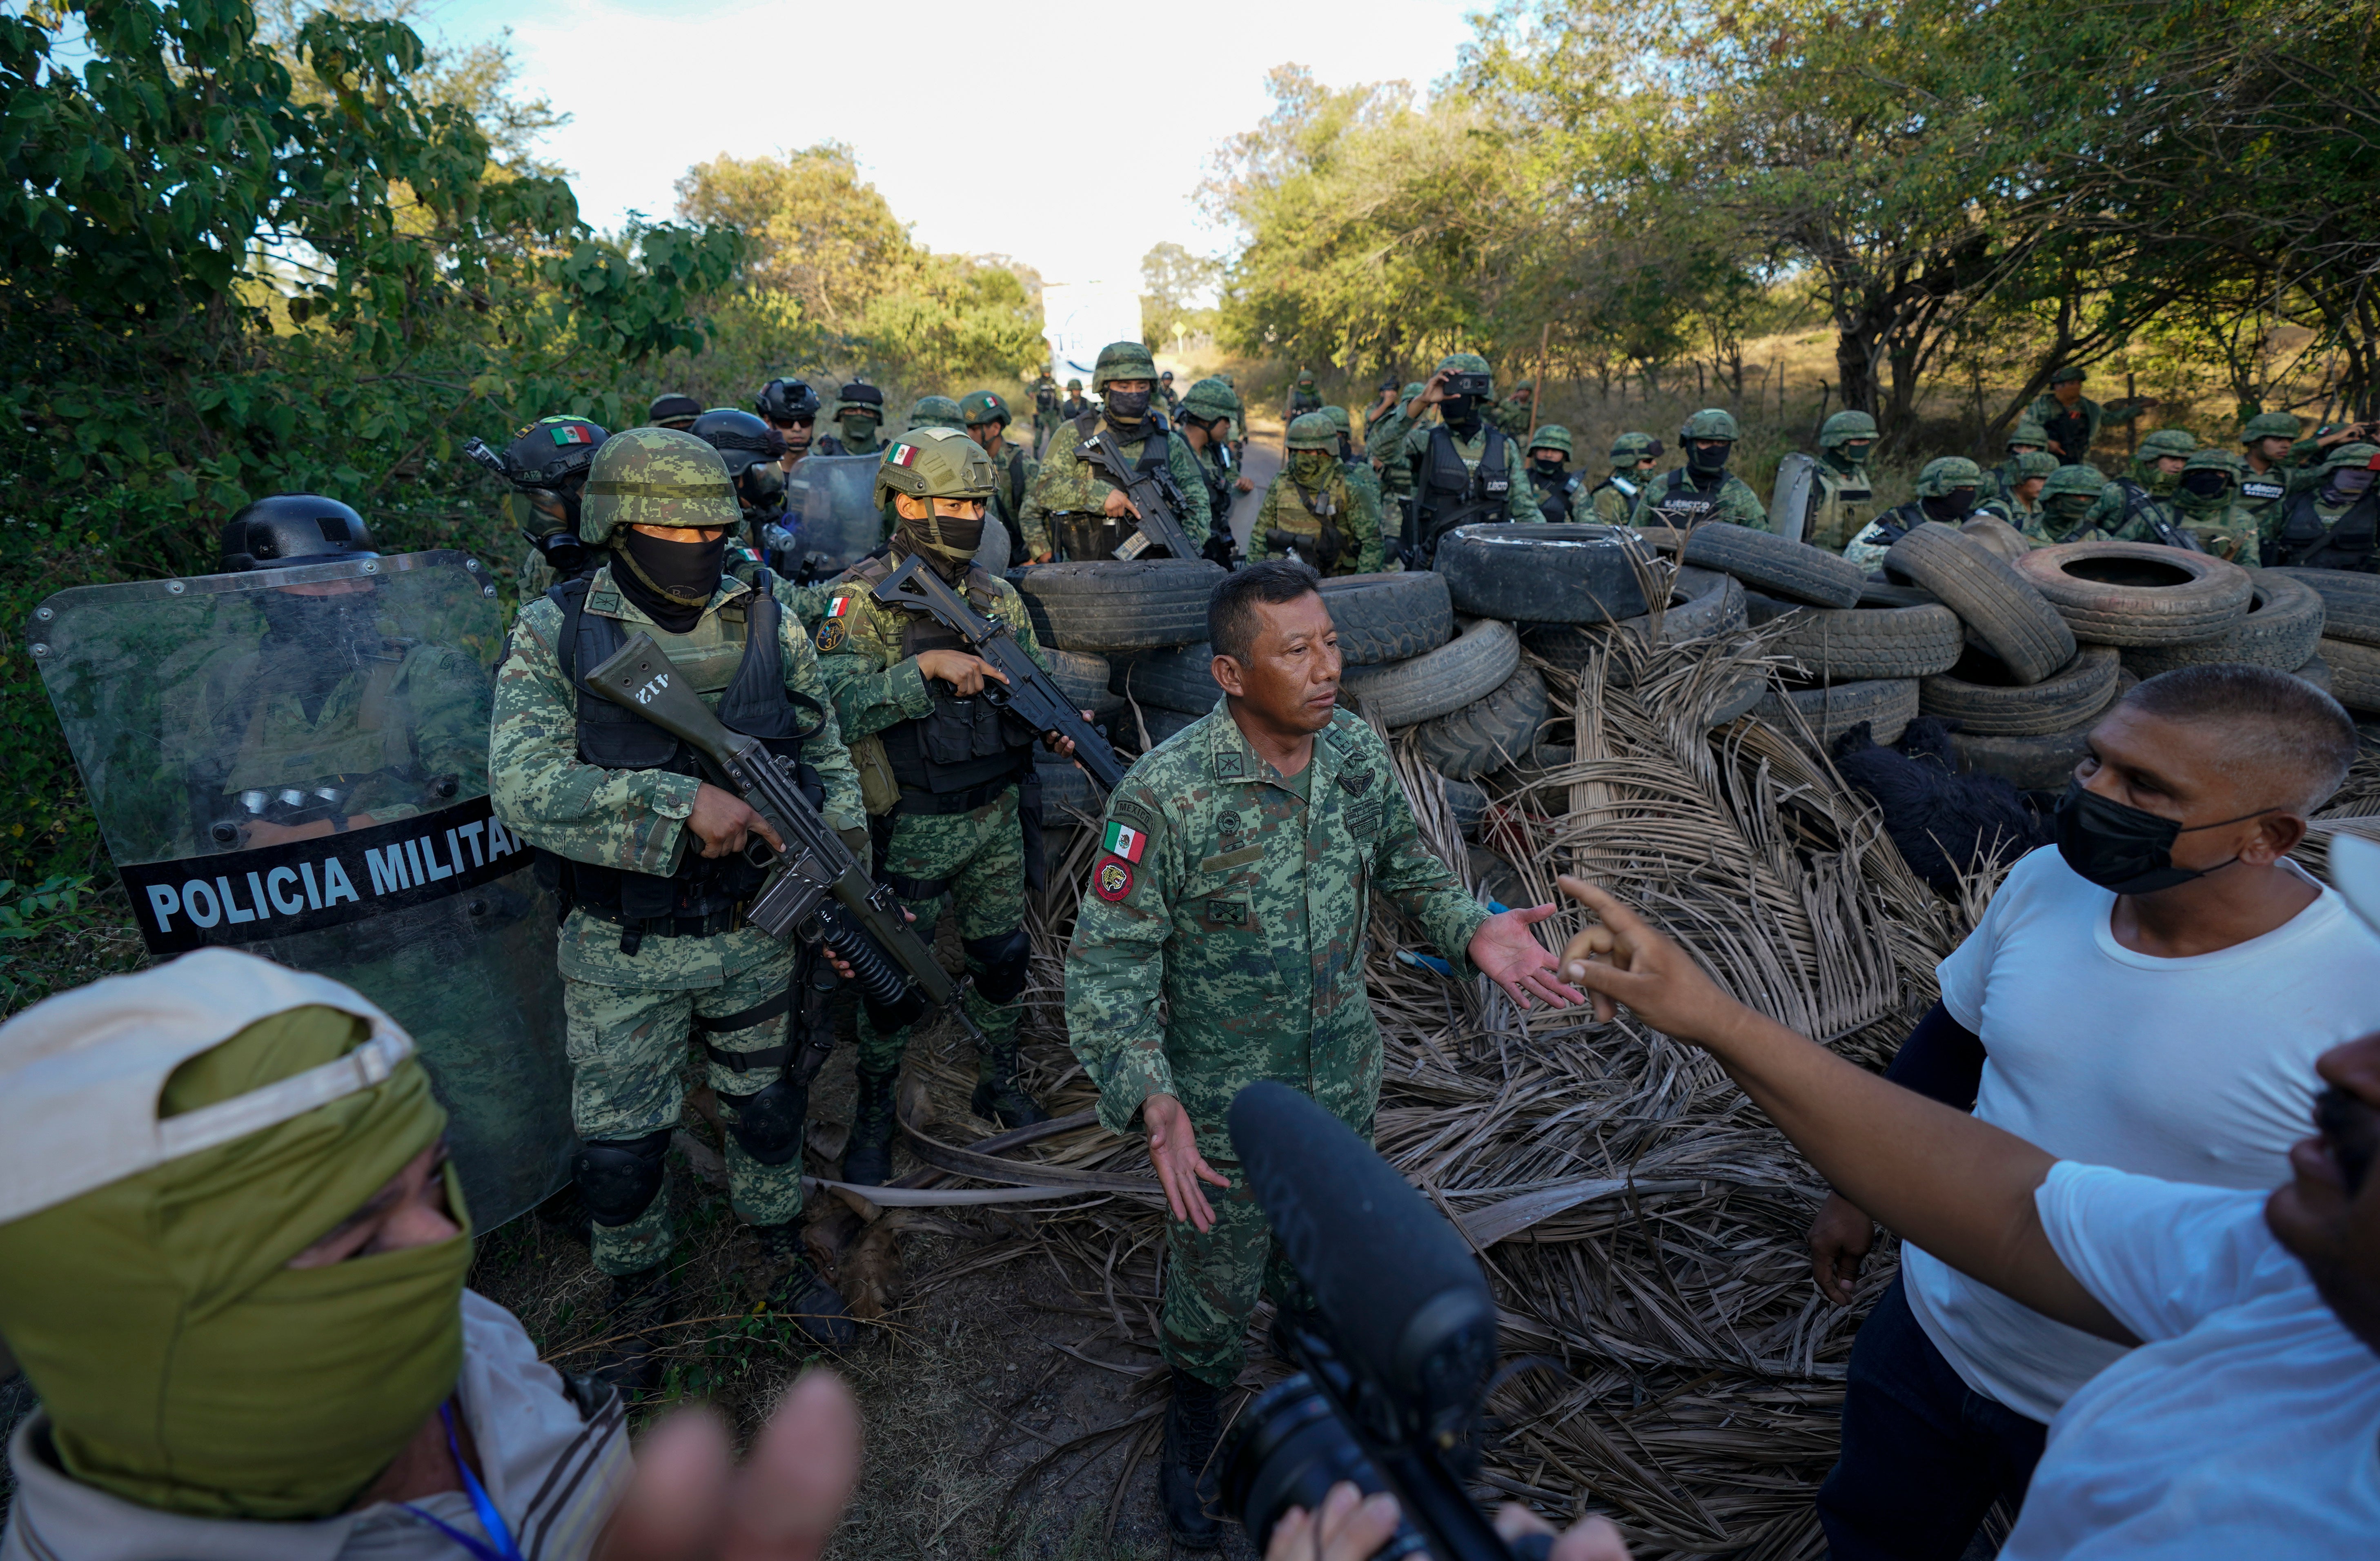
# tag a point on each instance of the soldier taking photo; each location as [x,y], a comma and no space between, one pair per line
[1459,470]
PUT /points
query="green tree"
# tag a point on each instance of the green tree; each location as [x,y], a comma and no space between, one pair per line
[1175,287]
[817,229]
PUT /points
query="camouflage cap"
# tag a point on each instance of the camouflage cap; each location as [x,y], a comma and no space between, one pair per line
[2165,442]
[2268,425]
[1338,418]
[1550,436]
[2342,457]
[980,407]
[1530,386]
[1629,448]
[936,463]
[2067,375]
[1844,427]
[936,411]
[1711,422]
[2028,432]
[2070,480]
[2035,463]
[1123,361]
[1310,430]
[1462,364]
[1209,399]
[1944,473]
[655,477]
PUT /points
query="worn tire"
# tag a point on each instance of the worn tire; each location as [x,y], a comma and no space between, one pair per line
[1181,680]
[1531,573]
[1083,677]
[1701,603]
[1842,644]
[2045,762]
[1470,666]
[2280,629]
[2354,674]
[2137,592]
[1979,694]
[1487,733]
[1066,792]
[2315,671]
[2350,601]
[2001,608]
[1469,805]
[1162,723]
[1775,565]
[1135,604]
[1389,617]
[1998,535]
[1886,704]
[1882,593]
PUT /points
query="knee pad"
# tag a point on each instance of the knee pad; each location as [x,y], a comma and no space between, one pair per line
[619,1178]
[769,1121]
[1006,958]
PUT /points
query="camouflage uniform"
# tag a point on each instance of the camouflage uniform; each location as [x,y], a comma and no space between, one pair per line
[859,415]
[1014,462]
[1303,397]
[1688,496]
[2010,506]
[2320,526]
[2222,527]
[1065,485]
[1235,902]
[1941,477]
[1415,448]
[1842,500]
[1045,408]
[2027,435]
[1073,406]
[2073,430]
[1312,493]
[2066,500]
[1515,413]
[2261,493]
[1614,498]
[1559,491]
[1362,480]
[635,995]
[1387,455]
[1166,393]
[2140,507]
[1212,401]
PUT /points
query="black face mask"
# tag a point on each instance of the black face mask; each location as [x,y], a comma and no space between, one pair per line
[1548,468]
[2205,484]
[2069,507]
[2351,482]
[1127,405]
[1462,414]
[671,581]
[1709,457]
[2125,848]
[1950,507]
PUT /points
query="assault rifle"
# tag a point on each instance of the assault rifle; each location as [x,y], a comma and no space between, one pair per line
[819,892]
[2137,501]
[1153,493]
[1029,695]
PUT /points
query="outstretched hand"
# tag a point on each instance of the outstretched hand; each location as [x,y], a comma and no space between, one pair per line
[1508,954]
[1173,1150]
[1623,960]
[688,1502]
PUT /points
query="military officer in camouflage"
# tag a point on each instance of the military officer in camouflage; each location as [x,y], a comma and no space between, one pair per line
[1222,941]
[936,411]
[1842,500]
[1073,406]
[1462,469]
[2266,479]
[1165,389]
[942,770]
[546,464]
[2332,521]
[2071,420]
[1305,396]
[2139,507]
[1702,488]
[1208,413]
[648,858]
[1045,409]
[2067,500]
[1559,489]
[1633,459]
[1387,456]
[1361,480]
[2020,506]
[2208,498]
[2026,438]
[1067,498]
[1310,509]
[1516,413]
[859,414]
[1947,490]
[986,416]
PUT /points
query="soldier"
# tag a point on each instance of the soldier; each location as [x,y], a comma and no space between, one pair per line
[676,409]
[2139,505]
[859,412]
[2021,507]
[2332,521]
[1310,511]
[1549,474]
[1462,469]
[1232,898]
[1842,499]
[792,407]
[2067,500]
[1045,409]
[1065,496]
[986,416]
[1385,446]
[1207,412]
[649,859]
[936,411]
[2071,420]
[1165,389]
[1514,412]
[754,453]
[2208,499]
[951,815]
[1072,407]
[1702,488]
[2027,437]
[1304,397]
[1946,491]
[1383,403]
[1633,459]
[546,463]
[1362,480]
[2265,442]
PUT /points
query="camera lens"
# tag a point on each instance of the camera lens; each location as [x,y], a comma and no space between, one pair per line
[1287,1450]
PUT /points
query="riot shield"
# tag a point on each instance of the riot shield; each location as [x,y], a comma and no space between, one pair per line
[834,497]
[294,761]
[1788,502]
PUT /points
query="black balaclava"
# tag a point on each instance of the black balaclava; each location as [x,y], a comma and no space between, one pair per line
[671,581]
[1126,407]
[1704,461]
[1462,415]
[1950,507]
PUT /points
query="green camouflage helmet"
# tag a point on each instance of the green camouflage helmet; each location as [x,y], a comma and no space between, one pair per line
[1631,448]
[2067,481]
[1844,427]
[2341,456]
[1306,379]
[2067,375]
[2268,425]
[1944,473]
[1074,386]
[2165,442]
[2027,431]
[1311,430]
[1409,392]
[1123,361]
[1711,422]
[936,463]
[1551,436]
[1338,419]
[655,477]
[1209,399]
[2035,463]
[936,411]
[981,406]
[1462,364]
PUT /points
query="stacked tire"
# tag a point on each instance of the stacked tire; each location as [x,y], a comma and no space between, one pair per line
[2347,655]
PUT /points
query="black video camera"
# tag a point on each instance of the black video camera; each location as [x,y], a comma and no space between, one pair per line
[1481,386]
[1397,1353]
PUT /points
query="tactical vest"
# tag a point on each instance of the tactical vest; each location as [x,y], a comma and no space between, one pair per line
[1299,514]
[1451,493]
[1620,484]
[1837,500]
[1894,524]
[2307,542]
[967,751]
[1218,474]
[1088,535]
[1045,398]
[2257,491]
[755,702]
[1679,503]
[2070,432]
[1554,494]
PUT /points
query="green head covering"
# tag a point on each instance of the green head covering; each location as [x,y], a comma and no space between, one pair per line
[1338,418]
[2268,425]
[2035,463]
[1551,436]
[1945,472]
[1310,430]
[2027,431]
[1123,361]
[1711,422]
[1629,448]
[185,1365]
[2155,447]
[1208,400]
[936,411]
[1844,427]
[982,407]
[655,477]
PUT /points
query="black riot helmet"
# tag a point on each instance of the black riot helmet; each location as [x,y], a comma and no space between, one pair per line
[547,461]
[751,449]
[784,401]
[289,528]
[672,411]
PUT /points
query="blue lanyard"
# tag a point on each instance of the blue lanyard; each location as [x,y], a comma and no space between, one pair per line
[490,1518]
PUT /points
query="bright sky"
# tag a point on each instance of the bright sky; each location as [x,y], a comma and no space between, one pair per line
[657,85]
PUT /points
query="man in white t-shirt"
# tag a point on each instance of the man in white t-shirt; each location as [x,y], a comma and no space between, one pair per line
[2157,1014]
[2246,1422]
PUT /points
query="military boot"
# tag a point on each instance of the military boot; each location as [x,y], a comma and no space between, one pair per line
[1187,1483]
[867,1156]
[815,1308]
[998,1095]
[639,1306]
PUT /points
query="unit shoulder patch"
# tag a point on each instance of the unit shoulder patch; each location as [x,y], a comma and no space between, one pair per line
[1111,879]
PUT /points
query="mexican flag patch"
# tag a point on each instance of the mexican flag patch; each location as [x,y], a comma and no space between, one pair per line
[572,433]
[902,455]
[1125,841]
[842,607]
